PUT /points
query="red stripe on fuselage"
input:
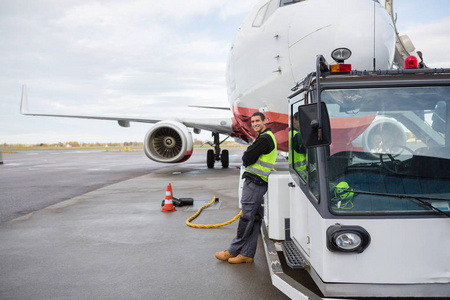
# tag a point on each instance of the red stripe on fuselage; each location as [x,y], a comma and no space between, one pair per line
[343,132]
[277,122]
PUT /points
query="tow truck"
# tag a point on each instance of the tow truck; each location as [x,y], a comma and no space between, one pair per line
[369,216]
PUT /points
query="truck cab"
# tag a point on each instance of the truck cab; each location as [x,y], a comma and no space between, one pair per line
[367,213]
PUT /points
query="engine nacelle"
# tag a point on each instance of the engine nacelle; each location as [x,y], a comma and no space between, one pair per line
[168,142]
[384,136]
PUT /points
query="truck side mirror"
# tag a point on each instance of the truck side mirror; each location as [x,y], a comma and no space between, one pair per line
[311,134]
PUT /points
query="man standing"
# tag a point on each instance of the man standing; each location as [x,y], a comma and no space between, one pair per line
[259,159]
[297,152]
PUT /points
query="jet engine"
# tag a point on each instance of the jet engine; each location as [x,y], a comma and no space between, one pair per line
[384,136]
[168,142]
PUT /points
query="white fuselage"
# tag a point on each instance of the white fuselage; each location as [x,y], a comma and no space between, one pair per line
[277,46]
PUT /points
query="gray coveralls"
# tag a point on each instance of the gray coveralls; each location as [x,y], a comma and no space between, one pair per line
[250,221]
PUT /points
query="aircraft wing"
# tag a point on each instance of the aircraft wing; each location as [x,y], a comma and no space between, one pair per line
[218,125]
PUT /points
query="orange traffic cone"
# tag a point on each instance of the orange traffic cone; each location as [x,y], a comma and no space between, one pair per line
[168,203]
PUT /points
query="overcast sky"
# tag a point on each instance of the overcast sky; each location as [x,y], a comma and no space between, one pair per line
[139,58]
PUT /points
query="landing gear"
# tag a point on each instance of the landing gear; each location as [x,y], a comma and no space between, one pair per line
[210,159]
[224,158]
[214,155]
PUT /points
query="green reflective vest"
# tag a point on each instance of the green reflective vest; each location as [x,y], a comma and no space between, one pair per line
[298,160]
[265,162]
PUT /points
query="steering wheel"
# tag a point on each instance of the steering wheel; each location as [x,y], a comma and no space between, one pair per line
[397,166]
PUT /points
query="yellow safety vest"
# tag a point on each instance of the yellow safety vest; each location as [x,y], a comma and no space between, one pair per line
[265,162]
[298,160]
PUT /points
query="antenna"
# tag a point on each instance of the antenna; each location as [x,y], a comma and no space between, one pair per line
[374,40]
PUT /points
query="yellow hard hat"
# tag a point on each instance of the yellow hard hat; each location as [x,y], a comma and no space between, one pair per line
[342,191]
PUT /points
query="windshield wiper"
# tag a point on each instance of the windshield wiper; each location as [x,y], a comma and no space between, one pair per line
[400,196]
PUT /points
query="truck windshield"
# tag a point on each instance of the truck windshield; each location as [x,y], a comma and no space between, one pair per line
[389,141]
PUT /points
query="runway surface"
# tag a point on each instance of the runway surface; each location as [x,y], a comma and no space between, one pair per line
[103,235]
[32,180]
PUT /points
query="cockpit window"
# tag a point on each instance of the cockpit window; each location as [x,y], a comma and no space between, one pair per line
[265,12]
[259,19]
[287,2]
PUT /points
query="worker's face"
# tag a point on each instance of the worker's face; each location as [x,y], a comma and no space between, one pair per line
[296,124]
[258,125]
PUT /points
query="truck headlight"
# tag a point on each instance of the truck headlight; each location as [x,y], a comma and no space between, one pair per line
[341,238]
[348,241]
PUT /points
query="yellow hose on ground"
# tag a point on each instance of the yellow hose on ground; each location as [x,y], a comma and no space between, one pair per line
[188,221]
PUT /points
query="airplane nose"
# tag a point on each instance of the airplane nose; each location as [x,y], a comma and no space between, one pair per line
[364,27]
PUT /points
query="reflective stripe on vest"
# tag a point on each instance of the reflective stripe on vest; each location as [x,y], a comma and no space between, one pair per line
[300,164]
[265,162]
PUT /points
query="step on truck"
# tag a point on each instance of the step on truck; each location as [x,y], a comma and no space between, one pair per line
[364,209]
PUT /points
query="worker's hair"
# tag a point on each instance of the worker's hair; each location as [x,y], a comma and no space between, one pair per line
[258,113]
[296,115]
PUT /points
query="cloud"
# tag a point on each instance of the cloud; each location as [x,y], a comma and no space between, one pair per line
[118,49]
[127,58]
[432,39]
[132,58]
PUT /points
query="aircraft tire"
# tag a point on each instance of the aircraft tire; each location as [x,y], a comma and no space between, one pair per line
[224,158]
[210,159]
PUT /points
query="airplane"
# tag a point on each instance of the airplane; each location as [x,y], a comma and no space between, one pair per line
[275,47]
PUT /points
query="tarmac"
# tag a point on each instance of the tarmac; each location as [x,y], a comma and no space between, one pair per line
[115,243]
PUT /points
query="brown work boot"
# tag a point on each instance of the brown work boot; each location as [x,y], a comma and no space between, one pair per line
[224,255]
[240,259]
